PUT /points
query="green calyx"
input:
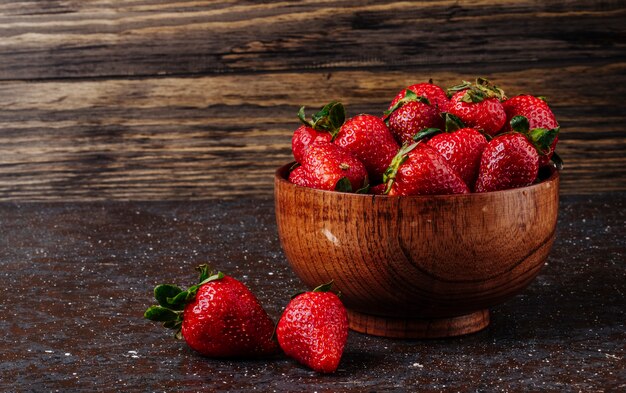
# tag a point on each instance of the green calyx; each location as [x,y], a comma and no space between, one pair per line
[172,300]
[390,174]
[328,119]
[541,138]
[344,185]
[453,123]
[322,288]
[409,96]
[477,92]
[426,133]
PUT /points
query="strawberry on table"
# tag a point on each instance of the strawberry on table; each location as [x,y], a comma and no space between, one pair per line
[478,105]
[511,160]
[219,317]
[539,115]
[368,139]
[410,115]
[419,169]
[314,328]
[326,166]
[322,127]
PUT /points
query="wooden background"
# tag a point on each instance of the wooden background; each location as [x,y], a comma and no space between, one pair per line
[147,99]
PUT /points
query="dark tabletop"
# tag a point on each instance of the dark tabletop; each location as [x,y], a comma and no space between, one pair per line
[76,279]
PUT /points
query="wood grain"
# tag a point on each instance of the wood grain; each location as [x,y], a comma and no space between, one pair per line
[223,136]
[410,266]
[122,38]
[150,100]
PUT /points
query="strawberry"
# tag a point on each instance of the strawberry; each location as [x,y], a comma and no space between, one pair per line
[508,161]
[419,169]
[314,328]
[326,166]
[368,139]
[478,105]
[322,127]
[460,146]
[219,317]
[433,93]
[300,177]
[303,137]
[512,159]
[410,115]
[539,115]
[378,189]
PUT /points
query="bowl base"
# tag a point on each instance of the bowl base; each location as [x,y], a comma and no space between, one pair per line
[418,328]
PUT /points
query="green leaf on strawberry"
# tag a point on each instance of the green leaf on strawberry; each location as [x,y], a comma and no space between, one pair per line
[172,300]
[409,96]
[343,185]
[330,118]
[541,138]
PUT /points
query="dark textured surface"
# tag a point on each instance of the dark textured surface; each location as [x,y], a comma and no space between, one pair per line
[76,279]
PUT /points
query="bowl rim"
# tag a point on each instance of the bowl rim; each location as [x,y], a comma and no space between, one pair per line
[279,176]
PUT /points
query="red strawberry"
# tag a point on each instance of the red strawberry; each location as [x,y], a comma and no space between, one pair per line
[299,176]
[314,328]
[410,115]
[538,114]
[419,169]
[508,161]
[322,127]
[478,105]
[368,139]
[378,189]
[303,137]
[219,317]
[328,167]
[433,93]
[462,150]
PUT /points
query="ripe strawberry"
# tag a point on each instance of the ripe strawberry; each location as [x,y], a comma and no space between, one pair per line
[462,150]
[433,93]
[478,105]
[299,176]
[219,317]
[508,161]
[538,114]
[378,189]
[368,139]
[419,169]
[314,328]
[322,127]
[410,115]
[326,166]
[305,136]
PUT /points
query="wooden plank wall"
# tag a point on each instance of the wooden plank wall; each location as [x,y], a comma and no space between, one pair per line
[150,99]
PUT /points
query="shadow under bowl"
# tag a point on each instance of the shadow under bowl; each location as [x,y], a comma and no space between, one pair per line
[418,266]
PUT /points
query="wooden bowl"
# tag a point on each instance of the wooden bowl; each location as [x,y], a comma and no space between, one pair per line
[418,266]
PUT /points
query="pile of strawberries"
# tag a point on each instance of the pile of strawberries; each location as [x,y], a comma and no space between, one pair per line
[471,138]
[221,318]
